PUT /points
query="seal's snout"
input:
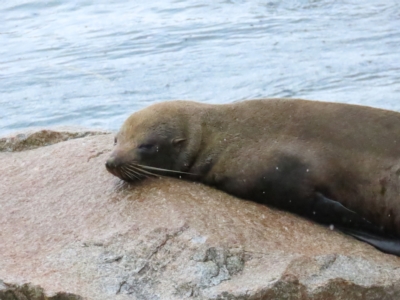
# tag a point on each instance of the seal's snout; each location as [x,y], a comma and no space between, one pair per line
[112,165]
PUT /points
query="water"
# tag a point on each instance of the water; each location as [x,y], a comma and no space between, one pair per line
[92,63]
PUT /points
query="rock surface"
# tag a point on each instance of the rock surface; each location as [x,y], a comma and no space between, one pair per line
[38,138]
[70,230]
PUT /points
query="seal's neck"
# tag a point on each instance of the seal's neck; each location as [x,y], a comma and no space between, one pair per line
[206,135]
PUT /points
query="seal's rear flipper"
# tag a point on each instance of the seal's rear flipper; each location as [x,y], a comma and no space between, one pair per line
[386,244]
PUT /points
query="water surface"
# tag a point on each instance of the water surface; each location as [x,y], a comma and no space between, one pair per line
[92,63]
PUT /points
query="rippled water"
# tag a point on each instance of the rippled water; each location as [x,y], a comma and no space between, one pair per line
[92,63]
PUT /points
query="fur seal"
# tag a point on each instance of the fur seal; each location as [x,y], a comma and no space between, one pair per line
[334,163]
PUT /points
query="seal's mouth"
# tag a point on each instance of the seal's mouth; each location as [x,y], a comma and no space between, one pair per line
[135,172]
[129,171]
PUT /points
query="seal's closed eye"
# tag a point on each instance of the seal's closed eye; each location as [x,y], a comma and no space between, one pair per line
[146,147]
[115,141]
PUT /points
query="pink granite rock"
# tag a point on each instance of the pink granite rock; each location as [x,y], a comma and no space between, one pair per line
[70,230]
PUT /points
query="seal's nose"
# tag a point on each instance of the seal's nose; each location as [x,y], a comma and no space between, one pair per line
[111,164]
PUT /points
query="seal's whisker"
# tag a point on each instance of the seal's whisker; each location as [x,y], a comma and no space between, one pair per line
[142,171]
[147,172]
[130,173]
[129,176]
[123,174]
[163,170]
[134,171]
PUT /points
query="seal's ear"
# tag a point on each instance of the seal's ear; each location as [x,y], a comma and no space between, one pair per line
[178,141]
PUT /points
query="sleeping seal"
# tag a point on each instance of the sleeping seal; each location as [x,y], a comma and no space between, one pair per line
[334,163]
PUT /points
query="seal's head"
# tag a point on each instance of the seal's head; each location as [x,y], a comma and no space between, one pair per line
[151,142]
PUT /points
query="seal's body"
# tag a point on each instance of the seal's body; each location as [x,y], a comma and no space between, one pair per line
[335,163]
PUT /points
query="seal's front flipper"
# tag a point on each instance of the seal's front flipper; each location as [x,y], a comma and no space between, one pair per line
[330,212]
[387,244]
